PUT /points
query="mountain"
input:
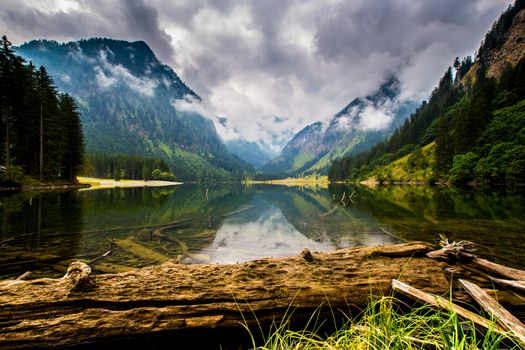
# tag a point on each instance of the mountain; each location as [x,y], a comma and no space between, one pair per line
[250,152]
[361,124]
[472,127]
[128,100]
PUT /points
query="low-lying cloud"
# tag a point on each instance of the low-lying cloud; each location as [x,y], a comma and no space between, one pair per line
[369,116]
[108,74]
[299,60]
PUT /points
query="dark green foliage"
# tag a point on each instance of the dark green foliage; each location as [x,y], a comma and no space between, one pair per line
[478,125]
[493,138]
[126,97]
[34,115]
[74,153]
[463,168]
[418,130]
[125,166]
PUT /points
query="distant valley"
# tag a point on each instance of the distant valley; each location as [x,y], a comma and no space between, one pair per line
[358,126]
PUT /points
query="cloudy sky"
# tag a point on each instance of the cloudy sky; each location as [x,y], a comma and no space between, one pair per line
[271,67]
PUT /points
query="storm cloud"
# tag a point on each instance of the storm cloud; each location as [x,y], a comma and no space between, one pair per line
[254,61]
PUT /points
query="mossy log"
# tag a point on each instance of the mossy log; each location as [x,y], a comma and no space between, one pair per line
[170,297]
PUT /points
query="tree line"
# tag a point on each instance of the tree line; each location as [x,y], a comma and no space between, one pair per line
[475,121]
[40,129]
[126,166]
[479,132]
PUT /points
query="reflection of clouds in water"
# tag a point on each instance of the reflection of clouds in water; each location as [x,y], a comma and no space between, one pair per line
[270,234]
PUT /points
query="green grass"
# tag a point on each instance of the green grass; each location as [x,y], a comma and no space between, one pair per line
[166,149]
[412,167]
[384,325]
[302,159]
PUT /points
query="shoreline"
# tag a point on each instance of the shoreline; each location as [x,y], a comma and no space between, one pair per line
[96,183]
[27,188]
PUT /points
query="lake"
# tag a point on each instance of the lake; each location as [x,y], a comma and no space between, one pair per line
[44,232]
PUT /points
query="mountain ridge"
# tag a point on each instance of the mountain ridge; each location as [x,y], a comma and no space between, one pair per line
[127,99]
[351,130]
[471,128]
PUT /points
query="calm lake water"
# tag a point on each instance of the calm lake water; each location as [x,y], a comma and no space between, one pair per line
[44,232]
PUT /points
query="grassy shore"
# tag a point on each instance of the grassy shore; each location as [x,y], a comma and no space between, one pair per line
[385,325]
[308,181]
[96,183]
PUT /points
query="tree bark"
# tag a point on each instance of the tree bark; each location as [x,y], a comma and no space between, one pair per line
[168,297]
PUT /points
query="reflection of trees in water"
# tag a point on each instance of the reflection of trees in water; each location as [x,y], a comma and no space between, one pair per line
[149,206]
[173,222]
[320,217]
[493,219]
[434,203]
[46,231]
[39,229]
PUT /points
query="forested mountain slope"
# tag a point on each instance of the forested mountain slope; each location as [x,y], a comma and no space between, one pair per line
[127,98]
[475,117]
[358,126]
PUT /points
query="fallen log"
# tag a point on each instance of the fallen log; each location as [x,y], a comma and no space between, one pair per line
[168,297]
[140,251]
[517,285]
[505,271]
[500,314]
[440,302]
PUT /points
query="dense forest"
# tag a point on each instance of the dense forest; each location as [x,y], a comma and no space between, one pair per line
[476,122]
[125,166]
[127,100]
[40,129]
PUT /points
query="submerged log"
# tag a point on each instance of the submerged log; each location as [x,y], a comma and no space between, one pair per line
[168,297]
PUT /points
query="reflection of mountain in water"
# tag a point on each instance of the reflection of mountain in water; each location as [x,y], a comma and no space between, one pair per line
[320,218]
[281,222]
[259,232]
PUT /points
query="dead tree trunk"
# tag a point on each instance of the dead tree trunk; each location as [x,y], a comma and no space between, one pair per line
[82,308]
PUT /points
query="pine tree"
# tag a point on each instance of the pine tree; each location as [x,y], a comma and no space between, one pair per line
[54,138]
[7,59]
[73,157]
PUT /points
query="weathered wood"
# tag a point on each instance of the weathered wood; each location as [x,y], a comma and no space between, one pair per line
[437,301]
[100,257]
[505,271]
[24,276]
[167,297]
[500,314]
[78,275]
[517,285]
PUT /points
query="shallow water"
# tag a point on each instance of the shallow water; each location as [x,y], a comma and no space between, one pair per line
[44,232]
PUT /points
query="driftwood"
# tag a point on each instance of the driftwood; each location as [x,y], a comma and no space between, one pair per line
[505,271]
[100,257]
[169,297]
[462,251]
[517,285]
[504,318]
[437,301]
[24,276]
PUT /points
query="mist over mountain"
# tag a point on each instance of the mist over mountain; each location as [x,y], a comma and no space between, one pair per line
[251,152]
[357,127]
[127,98]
